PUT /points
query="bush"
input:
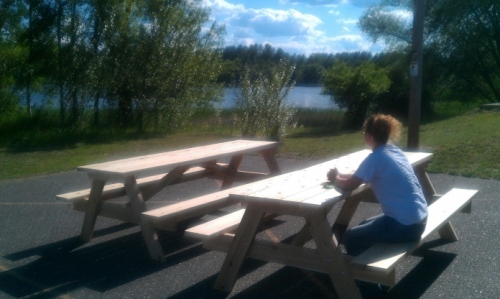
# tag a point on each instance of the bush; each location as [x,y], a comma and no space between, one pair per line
[261,101]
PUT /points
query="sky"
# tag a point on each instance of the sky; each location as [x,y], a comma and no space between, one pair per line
[296,26]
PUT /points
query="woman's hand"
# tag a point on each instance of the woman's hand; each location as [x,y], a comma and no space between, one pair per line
[332,175]
[345,182]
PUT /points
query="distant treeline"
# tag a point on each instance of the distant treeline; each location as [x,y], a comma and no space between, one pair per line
[260,58]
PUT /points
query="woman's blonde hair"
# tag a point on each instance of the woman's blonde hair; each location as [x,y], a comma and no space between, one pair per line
[383,127]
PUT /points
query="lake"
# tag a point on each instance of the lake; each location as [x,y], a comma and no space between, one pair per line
[299,97]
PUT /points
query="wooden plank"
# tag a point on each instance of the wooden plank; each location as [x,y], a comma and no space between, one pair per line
[238,250]
[117,189]
[291,185]
[117,211]
[383,257]
[172,159]
[92,210]
[270,158]
[216,227]
[328,249]
[148,231]
[427,186]
[221,171]
[221,225]
[233,166]
[294,256]
[268,251]
[169,178]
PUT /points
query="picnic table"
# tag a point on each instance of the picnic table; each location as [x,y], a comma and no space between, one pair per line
[307,194]
[140,178]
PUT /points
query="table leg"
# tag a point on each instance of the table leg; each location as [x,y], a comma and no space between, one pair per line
[233,166]
[341,222]
[93,206]
[328,249]
[427,186]
[165,181]
[447,232]
[148,232]
[245,234]
[272,163]
[347,212]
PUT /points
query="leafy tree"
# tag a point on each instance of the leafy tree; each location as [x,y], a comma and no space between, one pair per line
[467,35]
[461,41]
[355,89]
[262,101]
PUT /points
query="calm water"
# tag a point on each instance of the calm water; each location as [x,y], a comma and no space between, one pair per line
[303,97]
[299,97]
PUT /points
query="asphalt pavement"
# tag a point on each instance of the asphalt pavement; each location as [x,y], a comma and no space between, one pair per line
[41,255]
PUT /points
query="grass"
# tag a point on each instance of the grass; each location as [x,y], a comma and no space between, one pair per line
[467,145]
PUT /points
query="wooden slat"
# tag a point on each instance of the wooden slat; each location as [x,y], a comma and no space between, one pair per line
[117,189]
[169,216]
[197,206]
[383,257]
[295,256]
[110,210]
[92,210]
[216,227]
[173,159]
[238,249]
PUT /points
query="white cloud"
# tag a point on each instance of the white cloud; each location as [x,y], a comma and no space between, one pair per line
[347,21]
[314,2]
[273,23]
[290,29]
[223,7]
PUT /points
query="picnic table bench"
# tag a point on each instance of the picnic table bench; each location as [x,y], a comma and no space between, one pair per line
[140,178]
[303,194]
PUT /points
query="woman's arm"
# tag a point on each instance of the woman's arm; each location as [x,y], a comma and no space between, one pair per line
[347,183]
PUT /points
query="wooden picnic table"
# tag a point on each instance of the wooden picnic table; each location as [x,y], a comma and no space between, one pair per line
[307,194]
[168,168]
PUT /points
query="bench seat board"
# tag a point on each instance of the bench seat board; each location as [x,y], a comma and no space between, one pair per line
[117,189]
[383,257]
[217,226]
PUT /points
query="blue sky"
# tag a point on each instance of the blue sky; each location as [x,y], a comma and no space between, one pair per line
[296,26]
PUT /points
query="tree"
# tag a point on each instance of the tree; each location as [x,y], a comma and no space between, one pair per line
[262,101]
[461,37]
[355,89]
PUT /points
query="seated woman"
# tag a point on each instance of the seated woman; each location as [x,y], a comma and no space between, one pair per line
[395,185]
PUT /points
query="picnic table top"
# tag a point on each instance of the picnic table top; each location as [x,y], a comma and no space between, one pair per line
[169,160]
[309,188]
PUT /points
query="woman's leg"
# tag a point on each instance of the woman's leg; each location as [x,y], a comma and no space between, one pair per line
[369,232]
[380,229]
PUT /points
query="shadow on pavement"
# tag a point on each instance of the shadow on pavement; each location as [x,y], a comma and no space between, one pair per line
[425,273]
[62,266]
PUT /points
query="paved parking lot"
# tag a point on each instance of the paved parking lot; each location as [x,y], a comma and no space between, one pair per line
[41,255]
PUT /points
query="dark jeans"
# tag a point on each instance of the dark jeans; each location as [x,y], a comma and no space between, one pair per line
[380,229]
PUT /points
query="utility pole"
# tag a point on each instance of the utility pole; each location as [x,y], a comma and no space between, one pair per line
[416,67]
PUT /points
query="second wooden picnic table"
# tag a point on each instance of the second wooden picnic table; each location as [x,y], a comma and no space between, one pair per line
[168,167]
[306,194]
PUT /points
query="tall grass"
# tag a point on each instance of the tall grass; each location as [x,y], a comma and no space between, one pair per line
[466,145]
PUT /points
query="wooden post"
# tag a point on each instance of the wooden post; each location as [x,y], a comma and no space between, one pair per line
[416,67]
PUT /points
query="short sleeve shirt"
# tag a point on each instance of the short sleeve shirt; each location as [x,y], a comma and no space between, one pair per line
[394,183]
